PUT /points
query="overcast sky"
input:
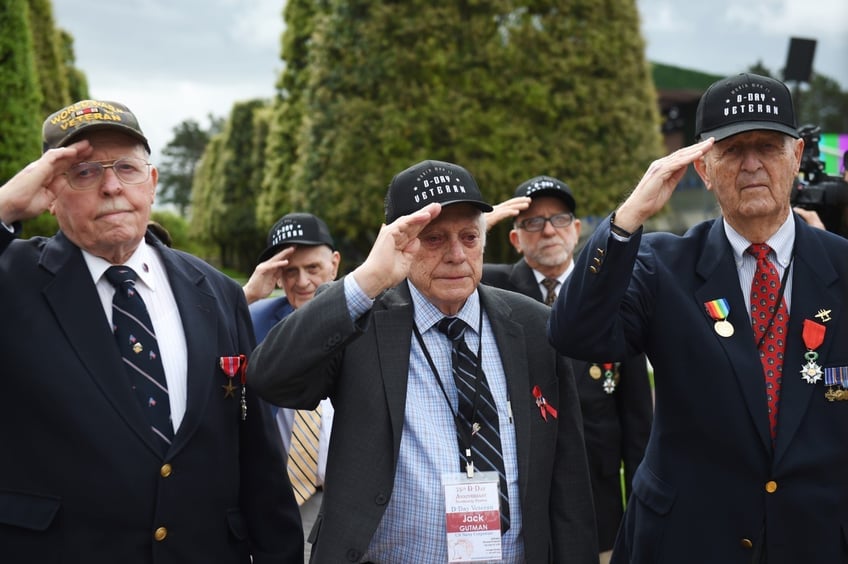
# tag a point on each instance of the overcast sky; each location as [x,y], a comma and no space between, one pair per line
[170,60]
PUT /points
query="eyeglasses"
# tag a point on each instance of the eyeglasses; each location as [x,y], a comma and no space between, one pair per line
[533,224]
[129,170]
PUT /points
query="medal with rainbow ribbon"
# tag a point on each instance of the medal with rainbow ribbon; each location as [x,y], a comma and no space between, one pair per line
[719,310]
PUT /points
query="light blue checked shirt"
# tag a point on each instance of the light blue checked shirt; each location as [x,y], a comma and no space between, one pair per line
[413,526]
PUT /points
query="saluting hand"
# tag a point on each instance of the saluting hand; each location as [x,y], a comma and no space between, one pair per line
[31,191]
[394,250]
[657,185]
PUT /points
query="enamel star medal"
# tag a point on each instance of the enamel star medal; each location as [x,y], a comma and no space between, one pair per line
[719,310]
[610,377]
[813,335]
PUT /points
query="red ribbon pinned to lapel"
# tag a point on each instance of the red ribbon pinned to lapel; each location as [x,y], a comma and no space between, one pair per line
[544,407]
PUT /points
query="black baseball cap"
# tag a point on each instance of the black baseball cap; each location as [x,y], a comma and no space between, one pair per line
[297,229]
[547,186]
[428,182]
[745,102]
[65,126]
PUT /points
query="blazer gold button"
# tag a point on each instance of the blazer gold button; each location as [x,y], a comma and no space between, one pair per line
[160,534]
[593,270]
[771,486]
[165,471]
[746,543]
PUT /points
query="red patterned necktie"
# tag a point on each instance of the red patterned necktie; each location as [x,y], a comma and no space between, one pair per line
[769,322]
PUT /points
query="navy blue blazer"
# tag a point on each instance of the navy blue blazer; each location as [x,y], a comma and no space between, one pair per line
[711,487]
[616,426]
[82,479]
[268,312]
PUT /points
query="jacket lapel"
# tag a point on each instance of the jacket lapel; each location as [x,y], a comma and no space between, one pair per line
[509,336]
[814,287]
[393,331]
[200,324]
[88,331]
[721,280]
[524,281]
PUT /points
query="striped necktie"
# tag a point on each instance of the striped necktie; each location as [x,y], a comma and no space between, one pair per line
[486,441]
[303,453]
[140,352]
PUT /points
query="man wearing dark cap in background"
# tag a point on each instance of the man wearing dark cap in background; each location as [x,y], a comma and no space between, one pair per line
[457,428]
[615,397]
[129,435]
[744,319]
[300,256]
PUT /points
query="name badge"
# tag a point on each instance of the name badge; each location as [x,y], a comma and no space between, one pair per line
[472,516]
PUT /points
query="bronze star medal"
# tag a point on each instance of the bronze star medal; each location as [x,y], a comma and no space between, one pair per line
[229,389]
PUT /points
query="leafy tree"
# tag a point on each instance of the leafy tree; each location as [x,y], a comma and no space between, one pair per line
[20,104]
[509,91]
[52,73]
[287,113]
[77,82]
[226,185]
[180,158]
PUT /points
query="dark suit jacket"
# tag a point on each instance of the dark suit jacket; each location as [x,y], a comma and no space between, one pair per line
[318,351]
[82,479]
[616,426]
[711,487]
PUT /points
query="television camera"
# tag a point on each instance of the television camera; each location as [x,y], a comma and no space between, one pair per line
[817,191]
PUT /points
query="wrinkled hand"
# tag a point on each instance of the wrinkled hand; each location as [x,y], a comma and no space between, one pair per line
[267,275]
[657,185]
[505,209]
[810,216]
[31,191]
[394,250]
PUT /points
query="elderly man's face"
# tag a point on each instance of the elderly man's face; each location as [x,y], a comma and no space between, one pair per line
[752,175]
[109,219]
[308,268]
[448,266]
[549,250]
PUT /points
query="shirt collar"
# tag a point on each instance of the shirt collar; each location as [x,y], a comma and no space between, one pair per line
[781,242]
[427,315]
[142,261]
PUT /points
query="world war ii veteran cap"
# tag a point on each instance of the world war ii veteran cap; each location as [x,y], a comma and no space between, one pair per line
[431,182]
[547,186]
[65,126]
[745,102]
[297,229]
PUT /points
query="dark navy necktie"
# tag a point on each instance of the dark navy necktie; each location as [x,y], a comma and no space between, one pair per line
[140,352]
[485,438]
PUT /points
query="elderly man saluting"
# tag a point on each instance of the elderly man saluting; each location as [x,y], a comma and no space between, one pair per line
[457,430]
[744,320]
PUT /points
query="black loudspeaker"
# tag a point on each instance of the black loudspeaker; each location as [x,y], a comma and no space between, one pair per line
[799,61]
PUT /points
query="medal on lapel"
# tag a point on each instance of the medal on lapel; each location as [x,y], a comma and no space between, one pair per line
[232,365]
[836,380]
[813,335]
[719,310]
[610,376]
